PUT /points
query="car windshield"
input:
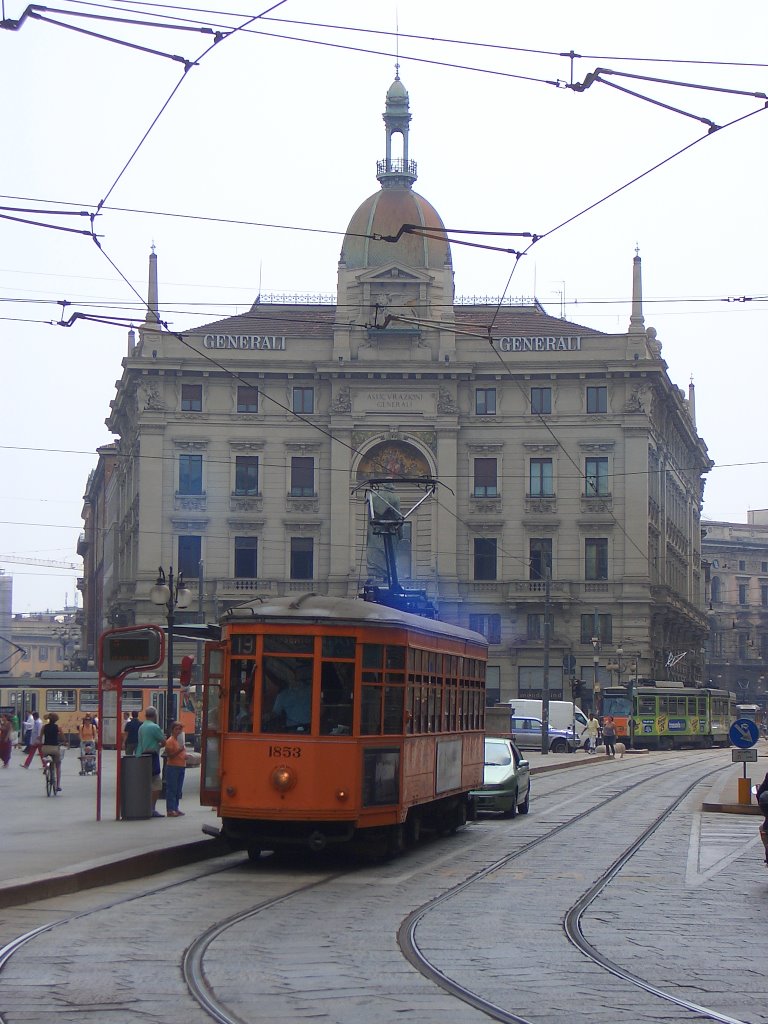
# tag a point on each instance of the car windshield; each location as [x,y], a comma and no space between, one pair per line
[497,753]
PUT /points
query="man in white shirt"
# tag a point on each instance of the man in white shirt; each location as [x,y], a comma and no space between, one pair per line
[36,739]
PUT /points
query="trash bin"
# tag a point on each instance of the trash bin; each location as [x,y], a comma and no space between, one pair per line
[135,788]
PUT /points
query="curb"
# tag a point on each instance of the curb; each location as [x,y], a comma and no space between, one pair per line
[592,759]
[731,809]
[151,862]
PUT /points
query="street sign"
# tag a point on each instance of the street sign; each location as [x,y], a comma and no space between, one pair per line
[749,754]
[744,733]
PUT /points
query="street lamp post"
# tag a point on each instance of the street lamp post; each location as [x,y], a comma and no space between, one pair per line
[596,683]
[66,634]
[173,594]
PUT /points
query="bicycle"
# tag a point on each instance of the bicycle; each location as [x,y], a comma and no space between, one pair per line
[49,774]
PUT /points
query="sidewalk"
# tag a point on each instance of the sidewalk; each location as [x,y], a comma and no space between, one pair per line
[723,797]
[54,845]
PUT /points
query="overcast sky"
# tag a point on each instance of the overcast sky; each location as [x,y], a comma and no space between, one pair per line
[283,132]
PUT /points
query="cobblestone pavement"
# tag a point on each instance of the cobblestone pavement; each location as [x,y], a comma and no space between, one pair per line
[685,913]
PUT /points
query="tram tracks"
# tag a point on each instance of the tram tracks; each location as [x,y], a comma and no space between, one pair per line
[572,923]
[219,1007]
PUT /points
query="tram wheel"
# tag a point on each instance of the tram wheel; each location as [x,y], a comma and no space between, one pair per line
[254,853]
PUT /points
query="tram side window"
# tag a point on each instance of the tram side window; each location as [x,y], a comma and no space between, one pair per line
[132,701]
[286,702]
[337,691]
[89,701]
[383,692]
[241,673]
[60,700]
[646,705]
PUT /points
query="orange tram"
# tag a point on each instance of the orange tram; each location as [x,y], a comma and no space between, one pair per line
[332,720]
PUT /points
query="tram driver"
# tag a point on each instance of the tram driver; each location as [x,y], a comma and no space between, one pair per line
[292,709]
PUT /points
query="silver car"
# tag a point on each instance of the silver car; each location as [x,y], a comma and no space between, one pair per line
[506,785]
[527,733]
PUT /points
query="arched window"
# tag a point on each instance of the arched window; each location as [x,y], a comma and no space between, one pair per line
[716,590]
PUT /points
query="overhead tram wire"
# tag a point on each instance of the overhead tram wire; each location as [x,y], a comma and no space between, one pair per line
[501,47]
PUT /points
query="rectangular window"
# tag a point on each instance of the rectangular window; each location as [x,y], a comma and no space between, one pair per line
[302,558]
[485,478]
[485,401]
[540,558]
[304,400]
[596,558]
[190,474]
[191,397]
[602,629]
[541,401]
[246,474]
[302,476]
[540,479]
[596,477]
[247,398]
[764,567]
[42,653]
[597,399]
[485,558]
[190,552]
[742,565]
[246,562]
[764,595]
[488,625]
[743,591]
[535,630]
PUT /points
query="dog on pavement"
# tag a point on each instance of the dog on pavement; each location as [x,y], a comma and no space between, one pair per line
[620,749]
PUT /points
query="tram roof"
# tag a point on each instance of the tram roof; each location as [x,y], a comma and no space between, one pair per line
[310,607]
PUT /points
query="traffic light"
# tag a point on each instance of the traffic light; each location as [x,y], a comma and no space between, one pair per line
[185,671]
[576,685]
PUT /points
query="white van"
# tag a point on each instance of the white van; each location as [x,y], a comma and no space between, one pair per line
[561,712]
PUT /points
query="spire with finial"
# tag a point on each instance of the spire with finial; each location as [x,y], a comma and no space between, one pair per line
[153,308]
[692,401]
[396,172]
[636,320]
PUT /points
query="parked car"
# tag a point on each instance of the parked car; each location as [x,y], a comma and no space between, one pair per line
[527,734]
[506,785]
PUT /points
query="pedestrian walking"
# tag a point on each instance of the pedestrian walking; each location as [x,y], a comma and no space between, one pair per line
[131,734]
[175,768]
[35,740]
[592,729]
[6,740]
[88,733]
[51,746]
[609,735]
[28,724]
[151,739]
[762,800]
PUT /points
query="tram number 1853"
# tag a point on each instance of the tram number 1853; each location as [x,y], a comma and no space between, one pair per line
[285,751]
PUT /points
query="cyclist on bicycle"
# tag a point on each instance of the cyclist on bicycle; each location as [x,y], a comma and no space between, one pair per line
[52,745]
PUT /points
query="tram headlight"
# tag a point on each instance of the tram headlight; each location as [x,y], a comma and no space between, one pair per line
[283,778]
[342,794]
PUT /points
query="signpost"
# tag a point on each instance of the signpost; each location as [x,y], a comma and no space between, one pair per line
[121,651]
[744,734]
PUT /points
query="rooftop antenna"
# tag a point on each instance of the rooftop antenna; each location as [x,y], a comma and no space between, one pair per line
[258,297]
[397,43]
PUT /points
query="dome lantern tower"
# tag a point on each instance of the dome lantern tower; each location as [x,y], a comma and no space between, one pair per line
[396,172]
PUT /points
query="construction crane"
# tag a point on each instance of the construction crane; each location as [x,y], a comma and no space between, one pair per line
[39,561]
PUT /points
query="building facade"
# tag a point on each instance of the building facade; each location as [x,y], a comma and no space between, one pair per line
[736,557]
[570,469]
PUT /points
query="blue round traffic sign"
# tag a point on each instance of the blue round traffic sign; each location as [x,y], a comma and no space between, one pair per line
[744,733]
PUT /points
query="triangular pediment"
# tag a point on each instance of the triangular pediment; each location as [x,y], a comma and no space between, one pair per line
[394,273]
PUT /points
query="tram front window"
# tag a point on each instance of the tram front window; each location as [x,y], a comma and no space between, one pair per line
[286,695]
[617,705]
[241,695]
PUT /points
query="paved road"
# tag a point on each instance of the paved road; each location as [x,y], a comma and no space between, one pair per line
[684,910]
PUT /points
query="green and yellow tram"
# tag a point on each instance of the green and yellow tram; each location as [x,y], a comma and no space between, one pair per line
[664,716]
